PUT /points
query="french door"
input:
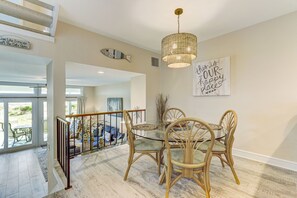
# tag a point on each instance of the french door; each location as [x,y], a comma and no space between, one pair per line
[17,128]
[23,122]
[1,126]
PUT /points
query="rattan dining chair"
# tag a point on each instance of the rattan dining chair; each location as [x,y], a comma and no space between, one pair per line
[186,158]
[224,147]
[172,114]
[140,146]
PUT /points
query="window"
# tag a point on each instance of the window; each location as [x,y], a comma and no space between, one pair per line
[43,91]
[32,91]
[70,107]
[74,91]
[77,91]
[11,89]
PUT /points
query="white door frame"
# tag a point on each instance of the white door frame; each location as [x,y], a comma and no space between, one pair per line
[40,121]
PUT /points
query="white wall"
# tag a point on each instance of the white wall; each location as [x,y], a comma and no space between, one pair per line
[89,94]
[119,90]
[77,45]
[263,86]
[138,92]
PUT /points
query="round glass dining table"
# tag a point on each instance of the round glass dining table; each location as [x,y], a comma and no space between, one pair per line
[154,132]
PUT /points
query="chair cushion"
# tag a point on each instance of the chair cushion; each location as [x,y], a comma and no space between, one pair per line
[147,145]
[178,155]
[218,146]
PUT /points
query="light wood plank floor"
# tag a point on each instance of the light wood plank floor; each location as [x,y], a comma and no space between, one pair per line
[21,176]
[101,175]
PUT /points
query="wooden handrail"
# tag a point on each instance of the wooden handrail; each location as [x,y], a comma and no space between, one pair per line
[101,113]
[63,120]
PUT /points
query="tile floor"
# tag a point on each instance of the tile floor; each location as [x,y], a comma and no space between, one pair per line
[21,176]
[101,174]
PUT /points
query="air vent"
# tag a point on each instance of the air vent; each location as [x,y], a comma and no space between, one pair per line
[155,62]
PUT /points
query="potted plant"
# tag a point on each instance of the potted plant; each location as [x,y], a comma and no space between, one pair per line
[161,105]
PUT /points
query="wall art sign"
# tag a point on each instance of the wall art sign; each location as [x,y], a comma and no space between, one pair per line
[14,42]
[114,104]
[212,77]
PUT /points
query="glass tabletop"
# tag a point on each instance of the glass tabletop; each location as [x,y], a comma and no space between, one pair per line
[145,127]
[159,134]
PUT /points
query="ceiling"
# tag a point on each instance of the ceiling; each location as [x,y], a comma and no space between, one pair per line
[144,23]
[23,68]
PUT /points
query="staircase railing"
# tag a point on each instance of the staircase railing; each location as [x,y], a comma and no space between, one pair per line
[94,131]
[83,133]
[63,147]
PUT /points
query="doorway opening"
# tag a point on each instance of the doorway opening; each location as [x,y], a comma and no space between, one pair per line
[100,83]
[23,113]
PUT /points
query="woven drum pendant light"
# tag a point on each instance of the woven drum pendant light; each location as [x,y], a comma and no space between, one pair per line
[178,50]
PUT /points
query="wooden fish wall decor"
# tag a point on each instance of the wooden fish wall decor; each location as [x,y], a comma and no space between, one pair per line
[115,54]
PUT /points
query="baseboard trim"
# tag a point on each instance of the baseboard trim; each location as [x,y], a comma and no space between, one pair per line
[59,185]
[266,159]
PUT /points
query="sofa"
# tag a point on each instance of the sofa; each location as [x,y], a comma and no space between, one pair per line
[109,133]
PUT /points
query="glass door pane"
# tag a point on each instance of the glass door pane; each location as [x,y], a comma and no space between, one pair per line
[1,125]
[19,123]
[44,121]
